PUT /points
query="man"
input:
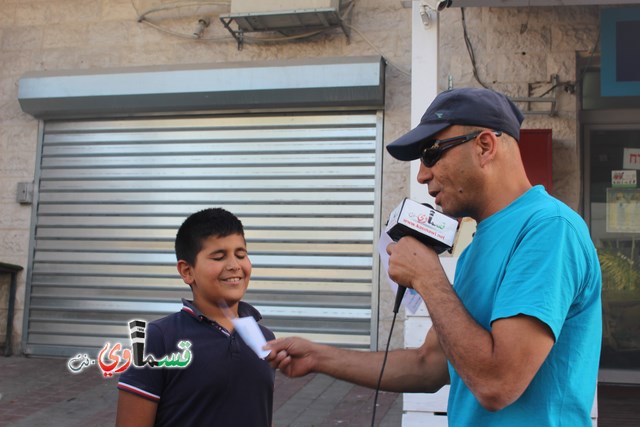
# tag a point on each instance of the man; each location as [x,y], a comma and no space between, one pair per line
[518,335]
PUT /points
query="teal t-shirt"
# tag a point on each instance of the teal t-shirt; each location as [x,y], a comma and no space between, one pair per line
[535,257]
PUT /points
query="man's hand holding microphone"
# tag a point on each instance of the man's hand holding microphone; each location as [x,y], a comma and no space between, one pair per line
[421,233]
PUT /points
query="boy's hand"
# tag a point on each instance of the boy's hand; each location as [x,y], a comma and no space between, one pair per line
[294,356]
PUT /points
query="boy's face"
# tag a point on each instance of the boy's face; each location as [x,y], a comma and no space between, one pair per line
[221,271]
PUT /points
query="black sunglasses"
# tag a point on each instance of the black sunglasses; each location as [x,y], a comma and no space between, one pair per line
[432,152]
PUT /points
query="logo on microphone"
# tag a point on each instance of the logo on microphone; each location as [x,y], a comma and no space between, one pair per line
[428,219]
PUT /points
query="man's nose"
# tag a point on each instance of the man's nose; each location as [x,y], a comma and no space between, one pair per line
[425,174]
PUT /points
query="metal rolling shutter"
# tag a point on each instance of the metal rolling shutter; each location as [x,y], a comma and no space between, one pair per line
[112,193]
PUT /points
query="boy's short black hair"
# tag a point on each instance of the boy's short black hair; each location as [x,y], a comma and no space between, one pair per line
[200,226]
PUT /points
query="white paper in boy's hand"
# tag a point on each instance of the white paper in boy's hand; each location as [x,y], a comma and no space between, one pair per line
[251,334]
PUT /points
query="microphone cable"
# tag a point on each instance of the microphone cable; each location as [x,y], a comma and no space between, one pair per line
[439,245]
[399,295]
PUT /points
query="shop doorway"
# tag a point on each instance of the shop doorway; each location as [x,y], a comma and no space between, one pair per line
[612,209]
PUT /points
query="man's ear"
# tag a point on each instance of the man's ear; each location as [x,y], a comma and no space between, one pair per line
[186,271]
[488,145]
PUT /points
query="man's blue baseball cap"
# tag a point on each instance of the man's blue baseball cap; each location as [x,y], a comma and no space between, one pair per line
[464,106]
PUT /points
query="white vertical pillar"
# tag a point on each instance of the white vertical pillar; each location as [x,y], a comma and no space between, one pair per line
[423,409]
[424,82]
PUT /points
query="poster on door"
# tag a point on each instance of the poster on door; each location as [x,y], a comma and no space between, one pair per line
[623,210]
[631,158]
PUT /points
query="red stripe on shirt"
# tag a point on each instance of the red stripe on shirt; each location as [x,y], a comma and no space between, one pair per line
[139,391]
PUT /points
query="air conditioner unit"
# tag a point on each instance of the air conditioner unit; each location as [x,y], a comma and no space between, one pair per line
[283,15]
[275,6]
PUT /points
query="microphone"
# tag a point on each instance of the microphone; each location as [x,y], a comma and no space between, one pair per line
[137,329]
[399,295]
[421,221]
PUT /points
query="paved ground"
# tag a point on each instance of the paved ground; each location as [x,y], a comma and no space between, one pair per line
[42,392]
[38,392]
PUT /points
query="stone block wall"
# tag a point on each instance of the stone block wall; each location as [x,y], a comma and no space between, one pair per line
[517,50]
[40,35]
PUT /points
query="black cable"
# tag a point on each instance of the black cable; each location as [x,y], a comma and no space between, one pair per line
[384,362]
[472,55]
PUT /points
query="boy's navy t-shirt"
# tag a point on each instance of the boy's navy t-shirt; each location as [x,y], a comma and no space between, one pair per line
[225,383]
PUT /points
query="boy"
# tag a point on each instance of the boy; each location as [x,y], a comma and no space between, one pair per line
[225,383]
